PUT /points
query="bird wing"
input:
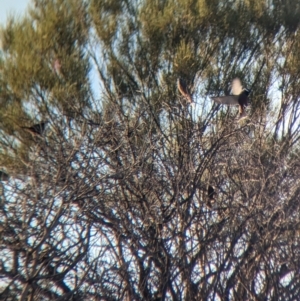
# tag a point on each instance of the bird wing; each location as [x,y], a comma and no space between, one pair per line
[236,87]
[38,127]
[226,100]
[3,176]
[182,87]
[210,192]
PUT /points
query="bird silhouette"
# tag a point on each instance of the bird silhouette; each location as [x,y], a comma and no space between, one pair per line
[183,89]
[36,129]
[211,194]
[3,176]
[239,97]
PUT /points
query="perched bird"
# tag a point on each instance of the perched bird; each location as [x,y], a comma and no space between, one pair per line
[210,193]
[3,176]
[36,129]
[239,97]
[183,89]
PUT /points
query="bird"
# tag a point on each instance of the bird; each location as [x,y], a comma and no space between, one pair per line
[183,89]
[210,193]
[239,97]
[37,129]
[3,176]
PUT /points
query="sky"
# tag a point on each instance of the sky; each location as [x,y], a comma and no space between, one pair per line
[7,7]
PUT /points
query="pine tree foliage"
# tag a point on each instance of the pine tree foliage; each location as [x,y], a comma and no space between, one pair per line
[129,193]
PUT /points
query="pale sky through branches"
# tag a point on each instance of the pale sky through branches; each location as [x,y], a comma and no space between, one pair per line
[9,7]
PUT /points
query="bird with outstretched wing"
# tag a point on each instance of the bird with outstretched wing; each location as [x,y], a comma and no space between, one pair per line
[239,97]
[183,89]
[36,129]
